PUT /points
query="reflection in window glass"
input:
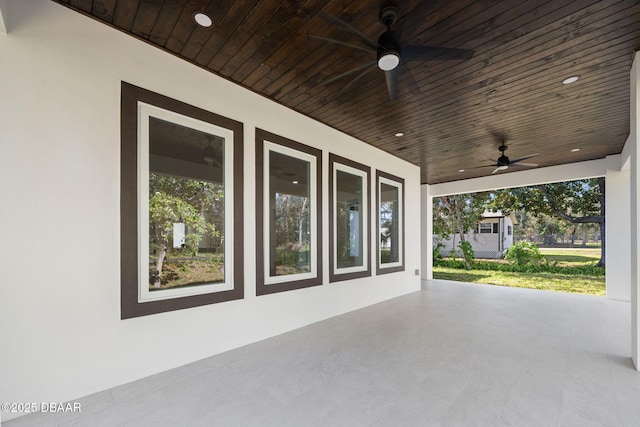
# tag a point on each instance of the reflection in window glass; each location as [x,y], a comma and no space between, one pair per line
[349,220]
[289,207]
[186,206]
[389,224]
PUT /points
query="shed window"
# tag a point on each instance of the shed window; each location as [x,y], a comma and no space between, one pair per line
[485,228]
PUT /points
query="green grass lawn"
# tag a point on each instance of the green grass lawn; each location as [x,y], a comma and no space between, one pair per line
[593,285]
[572,257]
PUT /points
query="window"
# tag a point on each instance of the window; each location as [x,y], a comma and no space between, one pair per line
[485,228]
[349,206]
[509,230]
[181,205]
[495,227]
[390,222]
[288,212]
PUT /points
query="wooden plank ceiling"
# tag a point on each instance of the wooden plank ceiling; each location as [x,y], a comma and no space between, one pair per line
[453,113]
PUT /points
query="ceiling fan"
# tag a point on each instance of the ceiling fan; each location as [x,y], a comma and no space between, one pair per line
[503,162]
[389,49]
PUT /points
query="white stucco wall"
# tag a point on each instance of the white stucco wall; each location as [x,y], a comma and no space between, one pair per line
[61,336]
[631,149]
[426,221]
[617,233]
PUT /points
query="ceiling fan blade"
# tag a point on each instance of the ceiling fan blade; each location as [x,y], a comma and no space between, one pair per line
[392,83]
[525,158]
[401,24]
[358,77]
[491,160]
[531,165]
[495,170]
[433,53]
[334,41]
[340,23]
[348,73]
[482,167]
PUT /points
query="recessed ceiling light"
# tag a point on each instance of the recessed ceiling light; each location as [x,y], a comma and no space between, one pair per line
[295,182]
[575,150]
[399,134]
[571,79]
[203,19]
[460,170]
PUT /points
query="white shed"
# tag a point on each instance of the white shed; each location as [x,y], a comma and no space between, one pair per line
[492,237]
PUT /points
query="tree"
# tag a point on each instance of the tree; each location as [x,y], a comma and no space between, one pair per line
[177,200]
[577,202]
[291,220]
[457,214]
[551,228]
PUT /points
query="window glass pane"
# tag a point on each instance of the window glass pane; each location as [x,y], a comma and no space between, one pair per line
[186,206]
[290,215]
[180,234]
[495,228]
[349,220]
[485,227]
[389,224]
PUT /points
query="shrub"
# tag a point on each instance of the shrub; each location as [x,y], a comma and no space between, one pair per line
[523,253]
[437,255]
[552,268]
[467,251]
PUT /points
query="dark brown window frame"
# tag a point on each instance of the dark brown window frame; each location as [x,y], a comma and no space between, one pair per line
[130,306]
[335,277]
[380,269]
[261,287]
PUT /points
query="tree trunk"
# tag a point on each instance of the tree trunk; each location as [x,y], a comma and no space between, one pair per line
[601,263]
[301,222]
[453,245]
[157,275]
[467,262]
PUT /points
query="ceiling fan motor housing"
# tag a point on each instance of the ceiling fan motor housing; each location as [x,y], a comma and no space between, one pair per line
[388,45]
[503,160]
